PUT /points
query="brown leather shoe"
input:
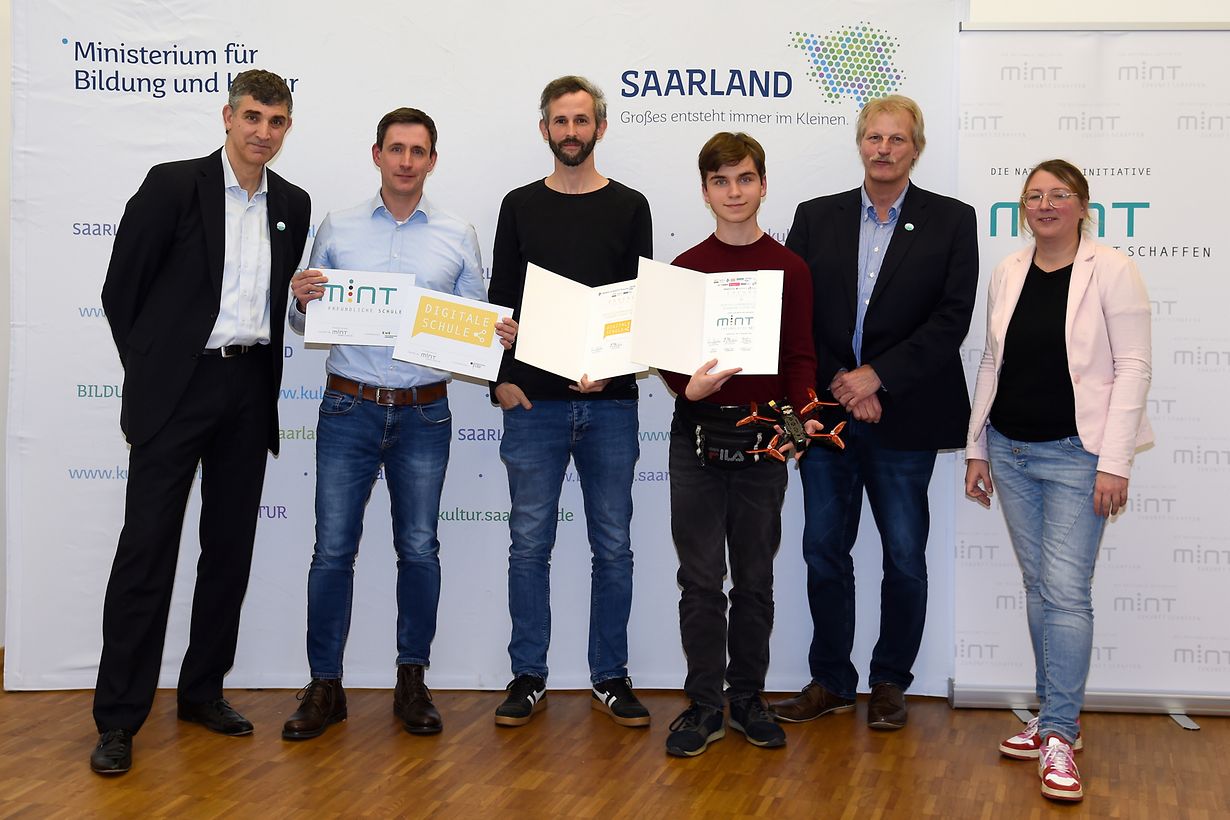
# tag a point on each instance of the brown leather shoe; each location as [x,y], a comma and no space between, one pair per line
[412,701]
[322,703]
[886,709]
[810,704]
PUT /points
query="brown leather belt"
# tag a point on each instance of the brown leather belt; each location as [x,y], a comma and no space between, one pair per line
[389,396]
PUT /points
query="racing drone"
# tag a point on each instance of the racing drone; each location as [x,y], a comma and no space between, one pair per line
[790,423]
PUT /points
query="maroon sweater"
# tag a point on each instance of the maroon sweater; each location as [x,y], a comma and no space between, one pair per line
[796,364]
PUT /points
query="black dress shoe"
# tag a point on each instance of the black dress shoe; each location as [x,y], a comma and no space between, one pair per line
[323,704]
[412,702]
[113,754]
[216,716]
[886,709]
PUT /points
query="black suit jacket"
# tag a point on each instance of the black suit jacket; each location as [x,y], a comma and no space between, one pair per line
[919,312]
[164,284]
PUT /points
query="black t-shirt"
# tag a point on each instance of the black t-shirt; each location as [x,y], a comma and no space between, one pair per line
[1035,401]
[594,238]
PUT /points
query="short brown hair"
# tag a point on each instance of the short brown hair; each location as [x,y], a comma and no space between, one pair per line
[725,148]
[571,84]
[1069,175]
[893,104]
[406,116]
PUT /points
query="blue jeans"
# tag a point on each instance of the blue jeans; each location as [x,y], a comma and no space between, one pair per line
[896,482]
[353,438]
[600,435]
[1045,489]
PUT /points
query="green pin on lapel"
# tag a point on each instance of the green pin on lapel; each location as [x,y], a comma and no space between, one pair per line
[909,226]
[281,226]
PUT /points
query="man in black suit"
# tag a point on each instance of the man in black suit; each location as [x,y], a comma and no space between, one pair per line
[195,295]
[895,270]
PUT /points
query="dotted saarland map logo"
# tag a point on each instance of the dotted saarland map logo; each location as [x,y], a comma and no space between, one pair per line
[853,62]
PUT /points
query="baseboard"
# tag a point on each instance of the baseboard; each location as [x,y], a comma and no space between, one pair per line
[966,696]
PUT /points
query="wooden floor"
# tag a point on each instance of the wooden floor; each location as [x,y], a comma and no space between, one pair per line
[573,762]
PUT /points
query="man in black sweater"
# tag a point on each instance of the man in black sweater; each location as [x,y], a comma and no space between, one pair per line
[578,224]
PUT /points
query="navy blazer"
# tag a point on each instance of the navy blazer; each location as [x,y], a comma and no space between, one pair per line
[164,284]
[918,315]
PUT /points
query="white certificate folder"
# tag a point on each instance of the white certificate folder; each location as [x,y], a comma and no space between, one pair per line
[571,329]
[684,318]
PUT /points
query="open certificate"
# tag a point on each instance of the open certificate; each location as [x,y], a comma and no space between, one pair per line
[451,333]
[358,308]
[573,330]
[684,318]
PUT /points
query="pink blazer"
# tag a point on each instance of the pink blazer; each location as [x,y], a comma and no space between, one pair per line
[1109,352]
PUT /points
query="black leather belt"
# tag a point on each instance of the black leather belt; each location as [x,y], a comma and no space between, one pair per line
[389,396]
[698,411]
[228,351]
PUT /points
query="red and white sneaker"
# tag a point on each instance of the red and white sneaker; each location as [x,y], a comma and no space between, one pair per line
[1060,778]
[1025,746]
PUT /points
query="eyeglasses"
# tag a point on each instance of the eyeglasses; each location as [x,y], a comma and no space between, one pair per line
[1057,199]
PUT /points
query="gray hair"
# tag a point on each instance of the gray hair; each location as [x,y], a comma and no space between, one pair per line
[263,86]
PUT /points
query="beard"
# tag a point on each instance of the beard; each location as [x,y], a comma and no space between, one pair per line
[573,160]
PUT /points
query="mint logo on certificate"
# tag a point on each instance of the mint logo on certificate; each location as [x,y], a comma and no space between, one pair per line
[357,308]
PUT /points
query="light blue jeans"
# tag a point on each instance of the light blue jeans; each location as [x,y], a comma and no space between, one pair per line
[1046,491]
[600,437]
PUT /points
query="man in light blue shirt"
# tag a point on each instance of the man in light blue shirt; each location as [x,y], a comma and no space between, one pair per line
[380,411]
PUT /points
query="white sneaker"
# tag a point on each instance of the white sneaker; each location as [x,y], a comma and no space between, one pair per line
[1060,778]
[1025,746]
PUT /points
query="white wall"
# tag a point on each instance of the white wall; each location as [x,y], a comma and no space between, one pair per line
[1099,11]
[980,11]
[6,142]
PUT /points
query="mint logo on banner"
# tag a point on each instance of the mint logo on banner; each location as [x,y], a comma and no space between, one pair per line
[853,62]
[1098,210]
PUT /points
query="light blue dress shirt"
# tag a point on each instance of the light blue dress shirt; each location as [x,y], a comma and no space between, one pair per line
[243,309]
[873,239]
[440,249]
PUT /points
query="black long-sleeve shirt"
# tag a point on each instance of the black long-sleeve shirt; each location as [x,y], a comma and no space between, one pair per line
[594,238]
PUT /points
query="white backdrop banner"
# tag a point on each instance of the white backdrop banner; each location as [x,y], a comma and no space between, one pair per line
[104,90]
[1147,116]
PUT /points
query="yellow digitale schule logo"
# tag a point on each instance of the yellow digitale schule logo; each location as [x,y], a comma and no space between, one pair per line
[616,328]
[448,320]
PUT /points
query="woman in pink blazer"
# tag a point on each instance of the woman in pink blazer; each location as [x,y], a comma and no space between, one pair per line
[1058,414]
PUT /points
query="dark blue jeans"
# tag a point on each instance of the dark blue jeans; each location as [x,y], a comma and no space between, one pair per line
[600,436]
[896,482]
[353,438]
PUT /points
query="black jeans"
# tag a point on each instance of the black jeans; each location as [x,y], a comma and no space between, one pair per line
[713,510]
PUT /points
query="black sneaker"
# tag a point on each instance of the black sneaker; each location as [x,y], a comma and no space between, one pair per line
[693,731]
[616,698]
[526,695]
[749,715]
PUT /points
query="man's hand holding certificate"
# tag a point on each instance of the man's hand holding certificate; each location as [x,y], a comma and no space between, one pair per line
[424,327]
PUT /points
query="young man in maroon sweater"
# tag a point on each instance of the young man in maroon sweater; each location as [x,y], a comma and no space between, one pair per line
[720,504]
